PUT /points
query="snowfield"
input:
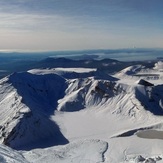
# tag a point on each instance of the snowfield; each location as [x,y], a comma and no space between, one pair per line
[82,115]
[80,151]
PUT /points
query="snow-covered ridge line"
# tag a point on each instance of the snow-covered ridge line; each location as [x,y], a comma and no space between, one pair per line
[29,110]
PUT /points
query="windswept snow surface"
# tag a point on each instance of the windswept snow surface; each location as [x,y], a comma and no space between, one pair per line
[8,155]
[86,151]
[83,115]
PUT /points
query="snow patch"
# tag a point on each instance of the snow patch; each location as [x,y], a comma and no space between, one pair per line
[90,151]
[159,65]
[8,155]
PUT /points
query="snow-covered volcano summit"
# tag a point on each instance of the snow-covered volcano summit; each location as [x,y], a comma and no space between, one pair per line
[29,99]
[48,107]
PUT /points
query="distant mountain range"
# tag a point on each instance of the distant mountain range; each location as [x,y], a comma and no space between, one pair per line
[22,61]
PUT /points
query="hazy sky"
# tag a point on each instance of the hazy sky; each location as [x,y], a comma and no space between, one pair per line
[80,24]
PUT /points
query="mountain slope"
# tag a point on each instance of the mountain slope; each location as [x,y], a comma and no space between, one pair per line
[8,155]
[29,101]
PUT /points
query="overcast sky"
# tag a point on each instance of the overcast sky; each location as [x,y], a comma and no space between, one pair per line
[80,24]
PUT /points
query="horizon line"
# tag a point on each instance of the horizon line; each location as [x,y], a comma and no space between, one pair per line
[75,50]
